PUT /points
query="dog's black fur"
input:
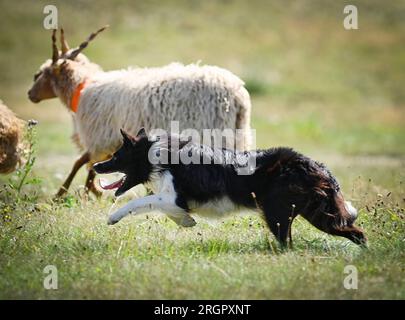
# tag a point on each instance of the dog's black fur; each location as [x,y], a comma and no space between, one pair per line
[284,184]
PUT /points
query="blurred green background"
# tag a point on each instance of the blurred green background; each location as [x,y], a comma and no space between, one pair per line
[314,85]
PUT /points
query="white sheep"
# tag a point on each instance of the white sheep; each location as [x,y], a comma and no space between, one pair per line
[199,97]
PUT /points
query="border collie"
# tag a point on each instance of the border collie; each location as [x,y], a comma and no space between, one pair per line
[283,184]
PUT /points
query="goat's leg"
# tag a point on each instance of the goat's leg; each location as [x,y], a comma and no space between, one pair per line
[85,157]
[90,184]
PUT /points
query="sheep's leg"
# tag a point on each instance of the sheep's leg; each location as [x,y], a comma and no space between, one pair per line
[90,184]
[78,164]
[243,137]
[164,202]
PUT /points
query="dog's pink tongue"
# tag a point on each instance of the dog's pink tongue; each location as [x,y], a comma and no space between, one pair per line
[113,185]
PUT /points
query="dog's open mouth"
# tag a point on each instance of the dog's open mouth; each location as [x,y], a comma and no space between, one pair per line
[114,185]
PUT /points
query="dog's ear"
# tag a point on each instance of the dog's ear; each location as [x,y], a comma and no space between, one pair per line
[128,139]
[141,133]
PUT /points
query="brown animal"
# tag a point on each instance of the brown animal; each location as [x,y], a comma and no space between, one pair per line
[11,129]
[47,86]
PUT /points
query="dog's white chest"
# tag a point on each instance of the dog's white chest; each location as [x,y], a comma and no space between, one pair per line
[162,183]
[217,208]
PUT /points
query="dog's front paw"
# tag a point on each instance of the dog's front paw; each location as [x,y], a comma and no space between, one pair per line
[112,220]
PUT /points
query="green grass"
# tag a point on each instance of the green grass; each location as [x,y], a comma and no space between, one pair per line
[150,257]
[336,95]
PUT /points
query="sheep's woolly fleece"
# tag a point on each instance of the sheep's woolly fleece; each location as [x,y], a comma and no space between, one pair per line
[199,97]
[10,135]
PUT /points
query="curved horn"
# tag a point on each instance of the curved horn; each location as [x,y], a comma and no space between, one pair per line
[55,52]
[63,42]
[84,44]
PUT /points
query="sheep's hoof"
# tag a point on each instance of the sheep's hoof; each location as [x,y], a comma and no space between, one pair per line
[90,187]
[96,192]
[60,194]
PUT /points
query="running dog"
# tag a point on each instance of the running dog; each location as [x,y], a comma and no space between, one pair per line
[282,184]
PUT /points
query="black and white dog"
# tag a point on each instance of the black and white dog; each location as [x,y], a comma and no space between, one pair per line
[282,185]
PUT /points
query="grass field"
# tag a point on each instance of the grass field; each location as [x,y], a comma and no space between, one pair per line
[336,95]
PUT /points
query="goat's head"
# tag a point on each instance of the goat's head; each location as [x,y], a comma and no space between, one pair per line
[49,72]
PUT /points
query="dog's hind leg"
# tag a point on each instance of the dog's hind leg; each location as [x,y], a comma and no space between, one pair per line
[327,223]
[335,217]
[84,158]
[352,233]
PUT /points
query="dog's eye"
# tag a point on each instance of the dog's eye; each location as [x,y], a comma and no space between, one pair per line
[36,76]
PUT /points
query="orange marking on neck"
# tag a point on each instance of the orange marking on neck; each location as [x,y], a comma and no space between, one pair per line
[74,103]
